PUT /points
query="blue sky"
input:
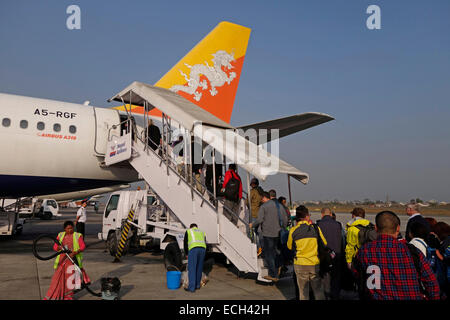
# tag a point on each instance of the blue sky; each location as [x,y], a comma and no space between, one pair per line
[388,89]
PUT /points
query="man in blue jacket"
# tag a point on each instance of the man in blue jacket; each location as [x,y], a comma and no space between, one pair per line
[332,231]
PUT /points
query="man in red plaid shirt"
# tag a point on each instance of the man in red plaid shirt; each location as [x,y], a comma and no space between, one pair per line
[386,269]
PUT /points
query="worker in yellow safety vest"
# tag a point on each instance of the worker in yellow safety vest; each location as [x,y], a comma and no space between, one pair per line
[76,252]
[65,280]
[195,246]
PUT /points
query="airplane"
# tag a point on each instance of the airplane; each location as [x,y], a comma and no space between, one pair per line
[55,147]
[423,204]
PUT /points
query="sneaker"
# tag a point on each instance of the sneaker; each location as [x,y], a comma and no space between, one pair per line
[268,278]
[203,282]
[271,278]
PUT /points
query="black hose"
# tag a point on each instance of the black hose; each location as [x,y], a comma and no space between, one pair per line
[38,256]
[85,286]
[46,236]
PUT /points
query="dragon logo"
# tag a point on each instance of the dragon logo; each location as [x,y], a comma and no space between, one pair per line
[215,74]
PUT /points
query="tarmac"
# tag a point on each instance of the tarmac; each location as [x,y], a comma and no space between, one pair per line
[142,274]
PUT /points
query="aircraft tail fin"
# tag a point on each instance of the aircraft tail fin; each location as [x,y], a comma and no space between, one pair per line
[209,74]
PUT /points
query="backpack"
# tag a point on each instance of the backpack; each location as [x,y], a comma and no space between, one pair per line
[260,190]
[416,261]
[232,189]
[326,255]
[436,264]
[366,234]
[446,255]
[430,256]
[284,233]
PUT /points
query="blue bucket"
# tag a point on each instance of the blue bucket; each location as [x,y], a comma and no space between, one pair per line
[173,279]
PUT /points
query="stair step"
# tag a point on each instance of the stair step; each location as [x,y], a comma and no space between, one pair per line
[188,206]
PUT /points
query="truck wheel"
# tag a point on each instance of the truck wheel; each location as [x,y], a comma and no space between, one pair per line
[47,215]
[18,231]
[111,243]
[172,256]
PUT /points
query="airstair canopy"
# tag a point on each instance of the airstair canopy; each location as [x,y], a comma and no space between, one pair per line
[186,113]
[220,135]
[253,158]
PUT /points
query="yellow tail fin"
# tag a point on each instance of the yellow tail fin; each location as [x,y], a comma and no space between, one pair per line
[209,74]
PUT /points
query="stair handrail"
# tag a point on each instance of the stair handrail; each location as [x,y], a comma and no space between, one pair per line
[172,165]
[114,127]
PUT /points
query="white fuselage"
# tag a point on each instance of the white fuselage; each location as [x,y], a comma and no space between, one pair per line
[52,147]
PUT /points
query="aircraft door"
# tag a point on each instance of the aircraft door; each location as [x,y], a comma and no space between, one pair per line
[105,120]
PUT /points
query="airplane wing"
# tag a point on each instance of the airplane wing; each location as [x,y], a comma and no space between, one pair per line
[82,194]
[287,125]
[96,197]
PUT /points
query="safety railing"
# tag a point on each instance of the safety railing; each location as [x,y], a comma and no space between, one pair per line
[19,203]
[129,124]
[165,155]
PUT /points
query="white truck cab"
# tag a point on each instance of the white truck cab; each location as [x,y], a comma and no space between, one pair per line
[152,225]
[46,208]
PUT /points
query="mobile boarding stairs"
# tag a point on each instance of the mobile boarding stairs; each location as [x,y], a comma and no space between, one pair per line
[169,179]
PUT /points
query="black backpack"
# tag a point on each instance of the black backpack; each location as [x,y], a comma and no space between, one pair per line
[366,234]
[232,189]
[260,191]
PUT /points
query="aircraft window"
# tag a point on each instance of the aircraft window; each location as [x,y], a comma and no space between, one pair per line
[40,125]
[6,122]
[73,129]
[24,124]
[57,127]
[112,204]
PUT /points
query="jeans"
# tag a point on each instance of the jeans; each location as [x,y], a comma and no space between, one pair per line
[196,257]
[332,280]
[271,255]
[259,240]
